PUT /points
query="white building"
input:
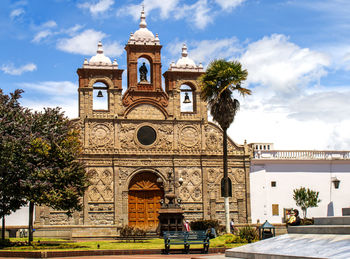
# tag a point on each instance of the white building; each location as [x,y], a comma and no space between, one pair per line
[276,173]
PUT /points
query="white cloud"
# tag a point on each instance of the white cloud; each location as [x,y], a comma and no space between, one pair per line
[199,14]
[229,4]
[49,24]
[57,93]
[276,63]
[98,7]
[85,43]
[165,7]
[41,35]
[17,12]
[16,71]
[44,31]
[60,88]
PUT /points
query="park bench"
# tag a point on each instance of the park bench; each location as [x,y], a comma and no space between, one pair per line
[186,238]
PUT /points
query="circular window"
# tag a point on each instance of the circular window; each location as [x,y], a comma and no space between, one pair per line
[146,135]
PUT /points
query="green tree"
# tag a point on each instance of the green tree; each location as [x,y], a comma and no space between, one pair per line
[56,176]
[305,198]
[221,79]
[13,143]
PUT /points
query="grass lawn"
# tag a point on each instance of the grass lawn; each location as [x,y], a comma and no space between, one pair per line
[55,244]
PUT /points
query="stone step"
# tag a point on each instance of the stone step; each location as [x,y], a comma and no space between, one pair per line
[345,220]
[320,229]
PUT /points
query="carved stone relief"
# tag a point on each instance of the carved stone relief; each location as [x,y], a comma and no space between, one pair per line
[101,189]
[191,189]
[126,138]
[100,134]
[101,218]
[189,137]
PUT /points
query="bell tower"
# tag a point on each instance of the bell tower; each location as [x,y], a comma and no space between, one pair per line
[100,86]
[144,84]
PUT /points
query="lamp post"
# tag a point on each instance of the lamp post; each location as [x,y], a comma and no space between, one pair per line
[170,213]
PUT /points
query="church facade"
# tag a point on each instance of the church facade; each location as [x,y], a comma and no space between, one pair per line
[147,138]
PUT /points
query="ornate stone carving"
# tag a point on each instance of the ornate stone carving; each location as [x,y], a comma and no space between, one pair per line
[101,218]
[101,189]
[101,134]
[239,175]
[126,138]
[165,138]
[189,137]
[191,189]
[212,141]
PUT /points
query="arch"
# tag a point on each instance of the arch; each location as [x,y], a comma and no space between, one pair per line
[144,196]
[187,98]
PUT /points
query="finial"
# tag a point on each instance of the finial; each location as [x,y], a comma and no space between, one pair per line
[143,23]
[184,50]
[99,48]
[86,61]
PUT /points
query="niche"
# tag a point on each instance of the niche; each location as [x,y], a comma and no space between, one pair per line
[100,97]
[187,101]
[144,71]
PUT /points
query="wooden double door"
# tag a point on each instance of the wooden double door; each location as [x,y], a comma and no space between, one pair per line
[144,201]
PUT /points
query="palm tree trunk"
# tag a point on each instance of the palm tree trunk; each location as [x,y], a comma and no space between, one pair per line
[226,196]
[30,227]
[3,229]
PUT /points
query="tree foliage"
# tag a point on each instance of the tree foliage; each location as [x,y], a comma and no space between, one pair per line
[306,198]
[40,159]
[13,144]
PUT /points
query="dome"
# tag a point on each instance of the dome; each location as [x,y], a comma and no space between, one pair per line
[185,61]
[100,58]
[143,35]
[100,61]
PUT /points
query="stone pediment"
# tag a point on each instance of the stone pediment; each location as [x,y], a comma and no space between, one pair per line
[213,140]
[146,111]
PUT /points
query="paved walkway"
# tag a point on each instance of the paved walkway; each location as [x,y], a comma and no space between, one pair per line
[174,256]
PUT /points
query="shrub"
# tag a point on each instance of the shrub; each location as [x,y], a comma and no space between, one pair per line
[307,221]
[247,234]
[130,231]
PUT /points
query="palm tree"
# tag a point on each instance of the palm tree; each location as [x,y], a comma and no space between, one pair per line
[221,79]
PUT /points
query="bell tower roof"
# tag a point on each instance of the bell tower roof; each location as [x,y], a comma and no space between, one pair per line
[100,60]
[143,36]
[185,63]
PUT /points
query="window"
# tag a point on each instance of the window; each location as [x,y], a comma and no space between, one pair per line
[273,184]
[275,209]
[100,96]
[229,187]
[146,135]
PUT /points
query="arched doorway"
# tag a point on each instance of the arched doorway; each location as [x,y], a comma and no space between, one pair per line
[144,201]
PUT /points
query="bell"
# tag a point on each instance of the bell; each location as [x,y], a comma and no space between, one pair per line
[99,94]
[187,99]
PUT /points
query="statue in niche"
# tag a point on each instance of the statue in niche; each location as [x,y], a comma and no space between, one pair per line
[143,73]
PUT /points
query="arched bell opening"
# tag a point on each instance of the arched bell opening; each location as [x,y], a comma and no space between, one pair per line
[144,196]
[187,98]
[144,70]
[100,97]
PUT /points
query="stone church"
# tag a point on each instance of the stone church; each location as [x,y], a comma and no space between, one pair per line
[140,140]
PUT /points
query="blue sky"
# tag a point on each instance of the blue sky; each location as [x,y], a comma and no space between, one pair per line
[297,54]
